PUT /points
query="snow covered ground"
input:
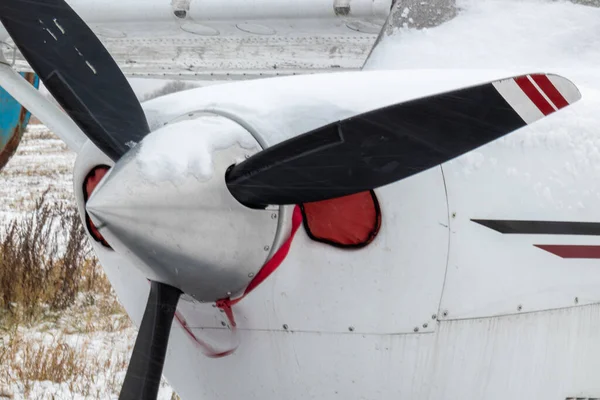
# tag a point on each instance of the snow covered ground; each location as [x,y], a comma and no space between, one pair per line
[42,162]
[521,35]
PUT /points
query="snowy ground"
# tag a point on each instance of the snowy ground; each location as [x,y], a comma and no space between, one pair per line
[27,174]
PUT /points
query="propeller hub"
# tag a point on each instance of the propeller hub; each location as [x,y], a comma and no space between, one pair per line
[166,206]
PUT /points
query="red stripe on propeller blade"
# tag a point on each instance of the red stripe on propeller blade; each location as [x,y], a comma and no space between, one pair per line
[534,95]
[550,90]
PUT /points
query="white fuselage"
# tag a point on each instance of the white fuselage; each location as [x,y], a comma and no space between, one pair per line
[438,306]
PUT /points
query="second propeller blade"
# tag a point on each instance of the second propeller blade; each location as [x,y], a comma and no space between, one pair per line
[389,144]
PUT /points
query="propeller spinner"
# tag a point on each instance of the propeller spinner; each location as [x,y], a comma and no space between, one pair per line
[174,181]
[141,212]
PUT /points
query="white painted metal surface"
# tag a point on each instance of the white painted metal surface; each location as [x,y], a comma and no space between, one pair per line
[550,355]
[392,286]
[460,360]
[539,356]
[237,39]
[216,10]
[530,175]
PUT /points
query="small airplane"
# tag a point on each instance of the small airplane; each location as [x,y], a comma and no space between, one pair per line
[315,235]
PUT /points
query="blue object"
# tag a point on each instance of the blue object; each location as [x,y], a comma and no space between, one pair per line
[13,120]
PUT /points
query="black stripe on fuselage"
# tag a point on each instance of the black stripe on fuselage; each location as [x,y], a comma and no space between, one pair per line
[541,227]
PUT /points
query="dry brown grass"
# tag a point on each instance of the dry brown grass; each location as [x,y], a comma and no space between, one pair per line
[30,360]
[41,134]
[43,271]
[38,171]
[53,289]
[60,322]
[69,361]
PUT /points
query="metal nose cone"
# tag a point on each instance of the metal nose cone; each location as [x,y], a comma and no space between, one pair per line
[166,207]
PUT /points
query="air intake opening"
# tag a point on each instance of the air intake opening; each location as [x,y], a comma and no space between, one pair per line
[89,184]
[348,222]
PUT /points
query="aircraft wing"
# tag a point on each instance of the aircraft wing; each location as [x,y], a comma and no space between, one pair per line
[237,39]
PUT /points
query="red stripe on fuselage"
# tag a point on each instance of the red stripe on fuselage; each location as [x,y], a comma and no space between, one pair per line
[571,251]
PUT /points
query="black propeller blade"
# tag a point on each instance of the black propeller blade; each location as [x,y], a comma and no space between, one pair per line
[146,365]
[373,149]
[78,71]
